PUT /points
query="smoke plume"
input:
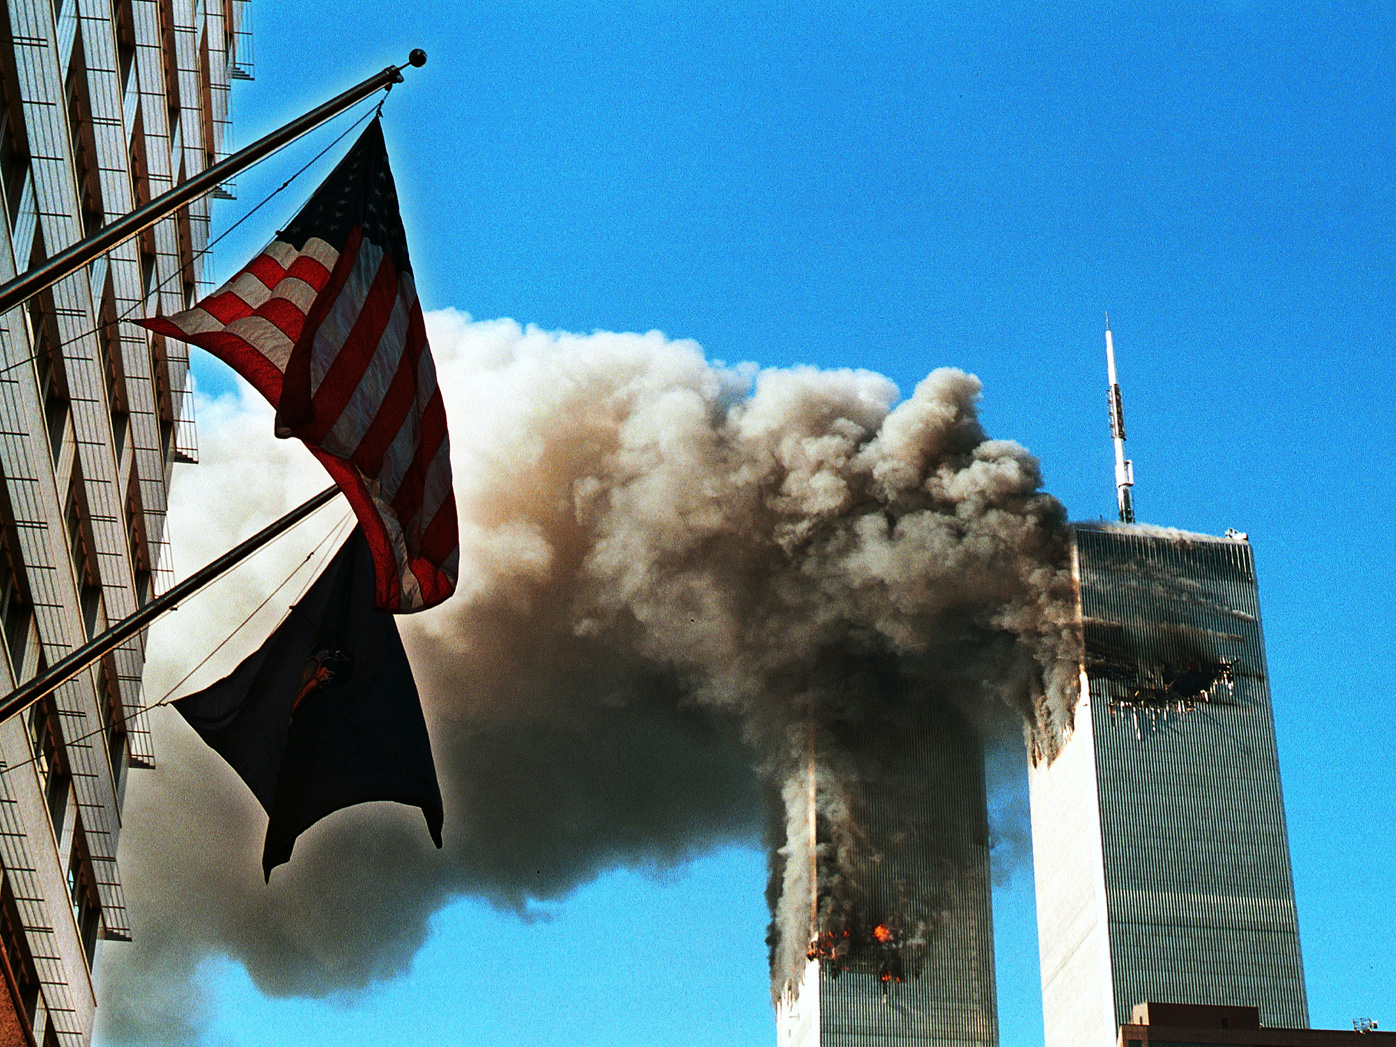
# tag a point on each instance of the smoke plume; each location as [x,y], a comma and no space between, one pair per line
[678,580]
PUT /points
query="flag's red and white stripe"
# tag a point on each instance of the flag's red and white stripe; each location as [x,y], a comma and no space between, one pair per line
[334,338]
[253,321]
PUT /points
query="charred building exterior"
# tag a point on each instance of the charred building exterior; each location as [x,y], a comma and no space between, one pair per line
[901,935]
[104,104]
[1159,841]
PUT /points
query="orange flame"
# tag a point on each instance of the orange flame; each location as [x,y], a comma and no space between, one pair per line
[882,933]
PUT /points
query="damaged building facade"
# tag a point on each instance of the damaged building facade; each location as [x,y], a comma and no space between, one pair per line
[1160,850]
[910,959]
[104,104]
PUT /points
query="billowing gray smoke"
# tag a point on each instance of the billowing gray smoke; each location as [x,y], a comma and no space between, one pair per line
[675,576]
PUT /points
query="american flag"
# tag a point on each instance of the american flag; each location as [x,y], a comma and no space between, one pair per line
[325,324]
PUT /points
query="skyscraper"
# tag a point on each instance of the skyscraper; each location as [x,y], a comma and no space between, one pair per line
[905,956]
[1159,841]
[104,104]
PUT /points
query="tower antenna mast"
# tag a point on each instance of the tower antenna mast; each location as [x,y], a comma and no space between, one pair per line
[1124,468]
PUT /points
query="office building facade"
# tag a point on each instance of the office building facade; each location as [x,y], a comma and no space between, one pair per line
[104,104]
[905,956]
[1159,841]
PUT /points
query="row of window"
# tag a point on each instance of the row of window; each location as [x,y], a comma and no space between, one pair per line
[14,151]
[19,961]
[56,778]
[55,397]
[56,781]
[56,784]
[17,622]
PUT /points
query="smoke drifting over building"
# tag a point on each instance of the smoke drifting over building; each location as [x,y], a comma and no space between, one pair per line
[676,579]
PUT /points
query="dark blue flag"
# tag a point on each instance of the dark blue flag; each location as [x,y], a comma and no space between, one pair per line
[325,714]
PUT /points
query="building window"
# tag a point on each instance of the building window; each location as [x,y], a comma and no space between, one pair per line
[49,762]
[125,44]
[140,177]
[168,52]
[87,910]
[84,143]
[206,100]
[17,955]
[147,264]
[48,358]
[16,608]
[15,614]
[84,554]
[14,167]
[109,348]
[113,719]
[140,542]
[14,143]
[164,395]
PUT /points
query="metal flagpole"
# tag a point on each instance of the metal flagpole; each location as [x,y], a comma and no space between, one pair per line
[75,662]
[71,259]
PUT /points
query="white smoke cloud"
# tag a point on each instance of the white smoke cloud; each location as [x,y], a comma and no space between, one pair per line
[670,570]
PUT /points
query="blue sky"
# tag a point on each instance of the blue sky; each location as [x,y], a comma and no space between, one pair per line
[900,187]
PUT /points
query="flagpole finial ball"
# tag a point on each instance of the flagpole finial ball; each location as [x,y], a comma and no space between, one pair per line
[417,58]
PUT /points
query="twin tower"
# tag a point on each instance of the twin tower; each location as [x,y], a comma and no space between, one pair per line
[1160,851]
